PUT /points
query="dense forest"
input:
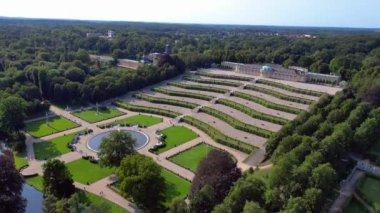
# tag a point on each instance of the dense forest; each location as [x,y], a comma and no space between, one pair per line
[47,61]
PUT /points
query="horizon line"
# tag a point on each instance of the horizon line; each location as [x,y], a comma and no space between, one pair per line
[186,23]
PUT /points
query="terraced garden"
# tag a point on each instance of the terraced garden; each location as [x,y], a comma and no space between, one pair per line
[141,119]
[198,87]
[167,101]
[232,77]
[212,81]
[183,94]
[290,88]
[279,95]
[144,109]
[85,172]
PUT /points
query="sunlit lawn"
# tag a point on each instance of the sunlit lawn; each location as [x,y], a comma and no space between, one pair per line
[145,120]
[54,147]
[176,135]
[191,158]
[20,159]
[56,124]
[85,172]
[36,181]
[92,116]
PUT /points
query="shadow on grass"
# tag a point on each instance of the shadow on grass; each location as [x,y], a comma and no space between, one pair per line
[45,150]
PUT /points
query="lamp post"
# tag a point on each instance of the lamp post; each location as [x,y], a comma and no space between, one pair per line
[46,119]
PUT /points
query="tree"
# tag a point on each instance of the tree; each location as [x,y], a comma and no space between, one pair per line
[115,147]
[219,171]
[204,200]
[140,179]
[178,206]
[296,205]
[11,184]
[57,179]
[12,114]
[323,177]
[98,208]
[251,207]
[245,189]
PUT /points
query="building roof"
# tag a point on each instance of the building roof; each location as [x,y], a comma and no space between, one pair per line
[266,68]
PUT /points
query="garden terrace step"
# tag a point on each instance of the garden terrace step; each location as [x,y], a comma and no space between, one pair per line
[167,101]
[222,76]
[183,94]
[198,87]
[290,88]
[213,81]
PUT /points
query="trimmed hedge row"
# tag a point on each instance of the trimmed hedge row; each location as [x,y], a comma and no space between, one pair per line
[232,77]
[198,87]
[218,136]
[212,81]
[167,101]
[266,103]
[151,110]
[251,112]
[183,94]
[290,88]
[236,123]
[279,95]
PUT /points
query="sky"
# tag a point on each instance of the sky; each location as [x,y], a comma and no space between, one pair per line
[322,13]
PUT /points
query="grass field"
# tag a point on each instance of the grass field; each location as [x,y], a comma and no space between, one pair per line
[145,120]
[84,171]
[354,207]
[176,135]
[54,147]
[370,187]
[191,158]
[35,181]
[92,117]
[175,186]
[56,124]
[20,159]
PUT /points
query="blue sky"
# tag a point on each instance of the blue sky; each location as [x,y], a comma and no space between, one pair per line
[331,13]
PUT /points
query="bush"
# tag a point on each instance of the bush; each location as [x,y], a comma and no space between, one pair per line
[152,110]
[198,87]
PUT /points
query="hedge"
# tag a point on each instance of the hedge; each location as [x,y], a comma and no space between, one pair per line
[218,136]
[145,109]
[183,94]
[232,77]
[167,101]
[266,103]
[198,87]
[235,123]
[251,112]
[212,81]
[279,95]
[290,88]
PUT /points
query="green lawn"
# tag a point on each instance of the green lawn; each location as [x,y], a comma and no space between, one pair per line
[92,117]
[175,186]
[370,187]
[36,181]
[56,124]
[191,158]
[145,120]
[176,135]
[54,147]
[20,159]
[84,171]
[354,207]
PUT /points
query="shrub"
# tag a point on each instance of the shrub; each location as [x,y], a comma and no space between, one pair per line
[198,87]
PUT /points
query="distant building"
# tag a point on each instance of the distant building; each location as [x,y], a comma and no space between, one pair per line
[128,63]
[276,71]
[155,58]
[109,35]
